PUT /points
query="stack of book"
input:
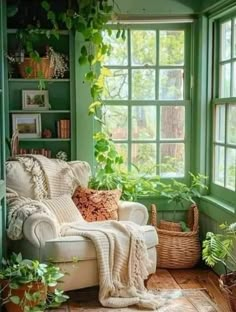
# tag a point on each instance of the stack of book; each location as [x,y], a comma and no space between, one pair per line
[40,151]
[63,128]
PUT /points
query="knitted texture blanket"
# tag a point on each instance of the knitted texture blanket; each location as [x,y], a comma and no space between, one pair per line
[122,262]
[19,209]
[51,177]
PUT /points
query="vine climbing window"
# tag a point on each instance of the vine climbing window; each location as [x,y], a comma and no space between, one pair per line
[147,97]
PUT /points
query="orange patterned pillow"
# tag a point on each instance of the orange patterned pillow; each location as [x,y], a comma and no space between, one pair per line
[97,205]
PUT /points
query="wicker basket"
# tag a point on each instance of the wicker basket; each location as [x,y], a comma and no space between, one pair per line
[227,283]
[177,250]
[38,69]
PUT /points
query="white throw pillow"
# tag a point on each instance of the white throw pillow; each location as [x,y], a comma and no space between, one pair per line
[64,209]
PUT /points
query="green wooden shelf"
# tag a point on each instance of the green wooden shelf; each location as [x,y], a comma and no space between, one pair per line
[60,111]
[44,139]
[37,80]
[15,30]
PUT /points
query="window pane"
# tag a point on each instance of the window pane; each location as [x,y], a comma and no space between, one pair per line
[143,47]
[232,124]
[143,155]
[122,149]
[234,78]
[119,52]
[171,84]
[143,122]
[230,168]
[226,40]
[220,124]
[116,121]
[219,165]
[143,84]
[225,80]
[171,47]
[116,85]
[172,160]
[172,122]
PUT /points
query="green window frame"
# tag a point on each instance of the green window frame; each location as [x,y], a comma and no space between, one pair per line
[223,164]
[157,104]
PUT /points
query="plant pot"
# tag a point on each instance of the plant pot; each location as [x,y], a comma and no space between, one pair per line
[30,288]
[227,284]
[39,69]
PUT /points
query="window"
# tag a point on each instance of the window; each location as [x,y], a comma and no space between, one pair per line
[147,97]
[224,110]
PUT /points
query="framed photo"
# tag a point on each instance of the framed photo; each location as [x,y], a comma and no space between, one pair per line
[27,125]
[35,100]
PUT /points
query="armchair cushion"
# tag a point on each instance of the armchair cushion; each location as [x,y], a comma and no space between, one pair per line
[64,209]
[72,248]
[96,205]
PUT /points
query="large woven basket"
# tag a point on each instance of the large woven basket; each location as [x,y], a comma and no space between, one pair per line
[176,249]
[39,69]
[227,283]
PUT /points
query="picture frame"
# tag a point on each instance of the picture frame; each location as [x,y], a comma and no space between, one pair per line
[35,100]
[27,125]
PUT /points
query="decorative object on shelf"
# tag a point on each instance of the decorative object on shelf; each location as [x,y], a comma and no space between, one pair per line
[15,144]
[63,128]
[53,65]
[35,100]
[62,155]
[47,133]
[38,151]
[28,125]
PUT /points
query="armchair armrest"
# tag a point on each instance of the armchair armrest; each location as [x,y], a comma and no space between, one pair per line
[132,211]
[39,228]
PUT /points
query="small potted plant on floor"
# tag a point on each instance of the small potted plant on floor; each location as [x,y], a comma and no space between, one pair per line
[219,248]
[29,286]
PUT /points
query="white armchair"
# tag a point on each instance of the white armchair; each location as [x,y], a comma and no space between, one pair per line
[75,255]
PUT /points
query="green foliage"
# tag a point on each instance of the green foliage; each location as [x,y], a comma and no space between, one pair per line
[110,175]
[219,247]
[17,271]
[179,193]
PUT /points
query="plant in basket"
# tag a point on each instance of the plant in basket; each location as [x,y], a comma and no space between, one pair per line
[220,248]
[29,286]
[179,193]
[179,245]
[51,65]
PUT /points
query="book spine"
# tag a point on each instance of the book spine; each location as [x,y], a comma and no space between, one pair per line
[59,128]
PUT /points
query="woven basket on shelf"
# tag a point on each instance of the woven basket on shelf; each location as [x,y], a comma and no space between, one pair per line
[176,249]
[37,69]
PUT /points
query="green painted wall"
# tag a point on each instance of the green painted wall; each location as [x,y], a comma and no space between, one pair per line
[158,7]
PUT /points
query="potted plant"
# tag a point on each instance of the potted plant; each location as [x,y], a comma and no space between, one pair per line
[110,173]
[180,193]
[28,285]
[52,65]
[219,248]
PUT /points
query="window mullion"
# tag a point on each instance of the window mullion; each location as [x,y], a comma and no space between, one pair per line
[158,117]
[226,136]
[129,101]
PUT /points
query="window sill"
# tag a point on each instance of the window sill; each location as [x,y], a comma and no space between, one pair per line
[219,203]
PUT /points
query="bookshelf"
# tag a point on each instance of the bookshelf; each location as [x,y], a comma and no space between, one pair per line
[60,98]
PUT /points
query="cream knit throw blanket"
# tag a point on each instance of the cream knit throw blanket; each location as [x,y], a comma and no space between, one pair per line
[19,209]
[51,177]
[122,262]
